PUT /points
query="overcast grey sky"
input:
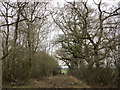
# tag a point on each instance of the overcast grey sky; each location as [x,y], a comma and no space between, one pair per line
[109,2]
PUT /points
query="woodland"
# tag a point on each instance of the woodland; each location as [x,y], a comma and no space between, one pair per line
[36,36]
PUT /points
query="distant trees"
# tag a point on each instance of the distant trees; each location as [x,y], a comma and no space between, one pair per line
[89,37]
[24,31]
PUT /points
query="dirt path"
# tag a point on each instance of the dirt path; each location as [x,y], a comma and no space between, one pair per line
[62,81]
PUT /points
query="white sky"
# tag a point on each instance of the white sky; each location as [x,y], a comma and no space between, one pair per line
[110,2]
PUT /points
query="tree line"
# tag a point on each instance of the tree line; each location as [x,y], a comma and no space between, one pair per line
[89,42]
[24,28]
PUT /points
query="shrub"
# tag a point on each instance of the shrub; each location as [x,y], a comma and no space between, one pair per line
[103,77]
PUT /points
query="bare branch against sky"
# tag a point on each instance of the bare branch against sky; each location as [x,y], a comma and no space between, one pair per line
[109,2]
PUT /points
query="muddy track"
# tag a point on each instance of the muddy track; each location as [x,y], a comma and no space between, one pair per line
[61,81]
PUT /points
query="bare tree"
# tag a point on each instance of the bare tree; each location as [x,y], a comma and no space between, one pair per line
[24,29]
[88,34]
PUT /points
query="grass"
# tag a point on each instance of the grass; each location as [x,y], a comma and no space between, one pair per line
[64,71]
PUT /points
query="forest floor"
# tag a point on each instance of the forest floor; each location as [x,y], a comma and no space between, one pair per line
[60,81]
